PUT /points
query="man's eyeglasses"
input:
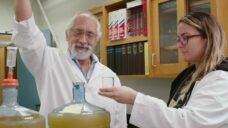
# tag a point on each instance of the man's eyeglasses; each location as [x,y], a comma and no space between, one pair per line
[184,39]
[79,33]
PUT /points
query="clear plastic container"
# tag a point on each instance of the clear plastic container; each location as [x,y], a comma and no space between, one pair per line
[11,56]
[13,115]
[79,113]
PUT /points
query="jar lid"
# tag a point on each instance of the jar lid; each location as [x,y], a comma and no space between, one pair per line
[10,81]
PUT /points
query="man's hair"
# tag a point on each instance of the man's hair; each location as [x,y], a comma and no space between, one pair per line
[74,18]
[211,30]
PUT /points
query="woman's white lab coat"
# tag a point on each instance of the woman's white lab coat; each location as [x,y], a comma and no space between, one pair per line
[54,78]
[206,108]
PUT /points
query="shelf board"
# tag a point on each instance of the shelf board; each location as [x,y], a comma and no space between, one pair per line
[170,48]
[195,4]
[127,40]
[116,4]
[169,7]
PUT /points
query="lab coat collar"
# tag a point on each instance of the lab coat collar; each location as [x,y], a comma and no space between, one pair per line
[76,71]
[98,69]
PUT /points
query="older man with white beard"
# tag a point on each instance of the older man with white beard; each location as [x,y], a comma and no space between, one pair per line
[53,80]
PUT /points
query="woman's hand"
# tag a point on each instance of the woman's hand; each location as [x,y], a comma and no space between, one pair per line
[121,94]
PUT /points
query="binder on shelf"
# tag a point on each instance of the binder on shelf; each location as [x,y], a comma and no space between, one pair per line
[141,59]
[129,57]
[111,58]
[135,58]
[118,59]
[146,55]
[124,60]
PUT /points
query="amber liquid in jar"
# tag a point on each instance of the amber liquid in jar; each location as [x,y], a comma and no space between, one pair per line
[31,121]
[79,113]
[99,120]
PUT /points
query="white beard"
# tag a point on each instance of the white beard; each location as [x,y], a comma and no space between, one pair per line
[80,55]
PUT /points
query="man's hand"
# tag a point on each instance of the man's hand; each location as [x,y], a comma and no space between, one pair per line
[23,9]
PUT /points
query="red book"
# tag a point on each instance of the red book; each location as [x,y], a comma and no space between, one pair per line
[144,15]
[122,23]
[130,24]
[110,24]
[116,26]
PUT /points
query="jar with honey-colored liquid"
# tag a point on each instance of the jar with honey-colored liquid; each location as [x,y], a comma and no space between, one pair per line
[13,115]
[79,113]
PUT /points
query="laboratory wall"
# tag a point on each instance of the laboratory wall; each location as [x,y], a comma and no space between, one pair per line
[59,12]
[7,14]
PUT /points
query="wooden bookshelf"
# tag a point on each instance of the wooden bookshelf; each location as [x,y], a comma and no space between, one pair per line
[127,40]
[156,67]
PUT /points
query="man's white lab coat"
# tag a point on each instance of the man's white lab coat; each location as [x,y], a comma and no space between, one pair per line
[53,77]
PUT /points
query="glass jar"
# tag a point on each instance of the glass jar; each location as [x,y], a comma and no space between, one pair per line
[79,113]
[13,115]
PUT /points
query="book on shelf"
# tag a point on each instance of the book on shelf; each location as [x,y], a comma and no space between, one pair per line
[141,59]
[146,55]
[130,22]
[124,60]
[122,21]
[130,57]
[118,59]
[111,58]
[135,61]
[110,25]
[144,18]
[115,25]
[136,22]
[137,18]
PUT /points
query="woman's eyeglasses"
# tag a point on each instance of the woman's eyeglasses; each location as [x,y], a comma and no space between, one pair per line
[184,39]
